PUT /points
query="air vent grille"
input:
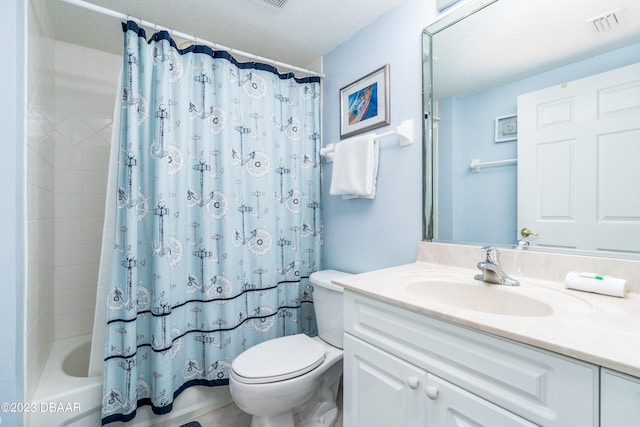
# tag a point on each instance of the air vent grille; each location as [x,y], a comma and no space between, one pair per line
[278,4]
[606,21]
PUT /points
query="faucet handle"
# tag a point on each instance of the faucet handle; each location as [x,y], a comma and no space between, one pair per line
[491,254]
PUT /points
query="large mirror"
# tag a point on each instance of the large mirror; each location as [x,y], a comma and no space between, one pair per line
[532,125]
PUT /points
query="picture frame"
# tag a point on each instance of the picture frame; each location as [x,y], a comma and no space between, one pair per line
[364,104]
[506,128]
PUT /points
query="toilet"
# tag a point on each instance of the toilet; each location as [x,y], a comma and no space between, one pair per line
[293,381]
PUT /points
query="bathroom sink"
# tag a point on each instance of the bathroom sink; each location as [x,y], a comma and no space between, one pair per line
[478,296]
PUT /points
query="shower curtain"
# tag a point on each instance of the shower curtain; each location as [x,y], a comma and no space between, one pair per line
[216,218]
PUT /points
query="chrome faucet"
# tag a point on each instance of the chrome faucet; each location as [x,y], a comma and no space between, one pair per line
[491,270]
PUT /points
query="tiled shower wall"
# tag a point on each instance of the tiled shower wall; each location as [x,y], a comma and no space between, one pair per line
[40,158]
[85,90]
[71,94]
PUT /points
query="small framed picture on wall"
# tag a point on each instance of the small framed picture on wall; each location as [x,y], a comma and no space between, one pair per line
[364,104]
[506,128]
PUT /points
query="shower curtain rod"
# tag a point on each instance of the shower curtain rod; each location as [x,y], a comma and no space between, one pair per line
[215,46]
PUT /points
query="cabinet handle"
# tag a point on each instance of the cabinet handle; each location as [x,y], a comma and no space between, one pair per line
[432,392]
[413,382]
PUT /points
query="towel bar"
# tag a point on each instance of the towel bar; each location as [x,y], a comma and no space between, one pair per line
[476,164]
[404,131]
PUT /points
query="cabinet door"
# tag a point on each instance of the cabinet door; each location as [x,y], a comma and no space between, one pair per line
[451,406]
[619,399]
[381,390]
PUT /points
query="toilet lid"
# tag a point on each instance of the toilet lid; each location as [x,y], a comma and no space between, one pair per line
[279,359]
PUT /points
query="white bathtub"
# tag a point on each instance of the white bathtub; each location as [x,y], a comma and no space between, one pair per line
[66,396]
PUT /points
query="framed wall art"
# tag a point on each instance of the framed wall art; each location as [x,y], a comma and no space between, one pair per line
[364,104]
[506,128]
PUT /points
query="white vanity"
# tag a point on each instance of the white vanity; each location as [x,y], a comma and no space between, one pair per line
[425,344]
[414,356]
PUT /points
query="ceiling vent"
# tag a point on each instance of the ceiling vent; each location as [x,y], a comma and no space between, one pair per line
[275,4]
[605,22]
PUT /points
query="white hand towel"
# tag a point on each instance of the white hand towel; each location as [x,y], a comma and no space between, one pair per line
[598,283]
[355,168]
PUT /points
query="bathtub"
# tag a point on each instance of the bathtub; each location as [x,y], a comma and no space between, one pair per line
[66,396]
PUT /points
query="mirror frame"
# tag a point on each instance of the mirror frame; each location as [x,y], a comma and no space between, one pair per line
[428,155]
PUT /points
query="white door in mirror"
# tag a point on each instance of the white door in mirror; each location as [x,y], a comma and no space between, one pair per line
[578,154]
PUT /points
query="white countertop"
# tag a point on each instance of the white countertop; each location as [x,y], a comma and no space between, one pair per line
[599,329]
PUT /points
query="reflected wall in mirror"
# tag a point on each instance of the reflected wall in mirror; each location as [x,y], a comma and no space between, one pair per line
[484,62]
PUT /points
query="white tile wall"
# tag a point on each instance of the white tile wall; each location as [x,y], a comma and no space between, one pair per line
[71,93]
[85,90]
[40,194]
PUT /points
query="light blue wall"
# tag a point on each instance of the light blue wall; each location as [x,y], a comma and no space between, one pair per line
[492,193]
[361,234]
[12,78]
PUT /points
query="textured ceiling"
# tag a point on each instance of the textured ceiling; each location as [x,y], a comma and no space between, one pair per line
[298,34]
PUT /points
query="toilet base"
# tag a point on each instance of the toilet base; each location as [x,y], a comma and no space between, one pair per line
[327,419]
[321,410]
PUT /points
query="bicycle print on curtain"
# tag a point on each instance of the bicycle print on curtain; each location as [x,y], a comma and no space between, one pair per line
[217,218]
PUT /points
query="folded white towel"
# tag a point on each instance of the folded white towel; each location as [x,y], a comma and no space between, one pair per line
[598,283]
[355,168]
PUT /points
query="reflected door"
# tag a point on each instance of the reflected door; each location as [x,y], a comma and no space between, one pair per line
[579,163]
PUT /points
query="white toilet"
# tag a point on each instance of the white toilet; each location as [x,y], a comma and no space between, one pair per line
[293,381]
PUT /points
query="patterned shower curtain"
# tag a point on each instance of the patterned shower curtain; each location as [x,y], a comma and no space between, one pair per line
[217,218]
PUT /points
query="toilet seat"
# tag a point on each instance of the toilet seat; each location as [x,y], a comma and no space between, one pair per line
[278,359]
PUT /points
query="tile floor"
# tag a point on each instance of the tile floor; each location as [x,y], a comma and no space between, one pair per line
[228,416]
[232,416]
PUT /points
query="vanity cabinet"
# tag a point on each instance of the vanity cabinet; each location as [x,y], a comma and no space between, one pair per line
[620,399]
[384,390]
[403,368]
[387,391]
[449,405]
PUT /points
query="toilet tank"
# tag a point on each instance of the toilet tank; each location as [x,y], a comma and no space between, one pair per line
[328,304]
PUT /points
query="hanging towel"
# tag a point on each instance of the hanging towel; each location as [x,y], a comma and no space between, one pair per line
[355,168]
